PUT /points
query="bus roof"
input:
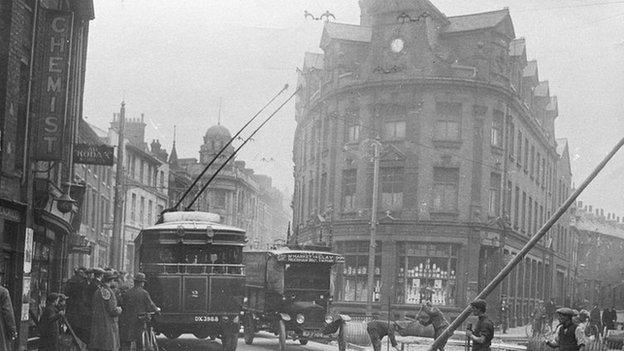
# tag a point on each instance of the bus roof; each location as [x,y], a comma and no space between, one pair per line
[192,221]
[301,256]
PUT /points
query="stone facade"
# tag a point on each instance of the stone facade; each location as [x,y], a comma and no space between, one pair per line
[469,165]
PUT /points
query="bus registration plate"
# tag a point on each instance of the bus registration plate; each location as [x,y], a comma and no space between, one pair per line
[312,334]
[206,319]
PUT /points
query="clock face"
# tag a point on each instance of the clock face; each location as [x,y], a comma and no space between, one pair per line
[397,45]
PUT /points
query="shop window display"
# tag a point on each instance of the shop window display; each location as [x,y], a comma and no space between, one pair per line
[427,272]
[355,271]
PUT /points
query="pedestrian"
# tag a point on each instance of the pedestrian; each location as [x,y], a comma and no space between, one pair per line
[377,329]
[504,316]
[78,314]
[483,332]
[8,330]
[583,319]
[595,320]
[50,324]
[136,302]
[608,319]
[568,336]
[435,319]
[539,318]
[551,309]
[104,327]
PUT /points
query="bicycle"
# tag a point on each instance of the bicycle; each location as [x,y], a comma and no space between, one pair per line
[147,341]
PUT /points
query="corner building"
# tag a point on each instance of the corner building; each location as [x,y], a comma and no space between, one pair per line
[469,164]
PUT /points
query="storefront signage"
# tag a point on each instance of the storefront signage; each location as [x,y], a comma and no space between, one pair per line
[10,214]
[309,257]
[52,77]
[94,154]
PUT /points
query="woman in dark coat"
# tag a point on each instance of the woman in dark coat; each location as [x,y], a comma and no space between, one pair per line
[8,331]
[49,324]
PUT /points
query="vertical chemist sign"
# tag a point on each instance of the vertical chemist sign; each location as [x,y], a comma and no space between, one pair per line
[54,41]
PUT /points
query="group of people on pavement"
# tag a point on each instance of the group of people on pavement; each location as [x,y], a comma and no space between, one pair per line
[480,334]
[102,306]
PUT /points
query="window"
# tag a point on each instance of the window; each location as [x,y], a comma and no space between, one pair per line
[94,210]
[448,121]
[159,209]
[523,217]
[445,189]
[530,217]
[219,197]
[162,180]
[353,133]
[543,172]
[519,148]
[133,166]
[532,162]
[426,272]
[495,194]
[392,188]
[133,208]
[511,141]
[311,203]
[354,270]
[394,130]
[150,219]
[349,179]
[509,193]
[526,155]
[538,170]
[323,191]
[142,172]
[497,129]
[142,211]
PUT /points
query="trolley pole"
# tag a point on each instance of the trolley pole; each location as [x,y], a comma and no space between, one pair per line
[529,245]
[373,230]
[116,243]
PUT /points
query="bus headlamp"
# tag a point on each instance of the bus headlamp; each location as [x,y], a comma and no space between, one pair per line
[245,299]
[329,319]
[300,318]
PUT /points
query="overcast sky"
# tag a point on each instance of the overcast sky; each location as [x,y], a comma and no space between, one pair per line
[174,61]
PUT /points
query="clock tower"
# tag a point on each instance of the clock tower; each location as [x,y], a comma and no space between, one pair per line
[404,38]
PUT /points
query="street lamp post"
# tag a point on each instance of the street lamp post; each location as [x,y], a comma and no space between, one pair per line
[373,229]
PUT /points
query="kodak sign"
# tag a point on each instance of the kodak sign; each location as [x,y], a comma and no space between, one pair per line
[54,41]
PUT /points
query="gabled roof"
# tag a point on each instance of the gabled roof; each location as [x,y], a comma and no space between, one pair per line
[86,134]
[517,47]
[312,60]
[350,32]
[542,89]
[477,21]
[531,69]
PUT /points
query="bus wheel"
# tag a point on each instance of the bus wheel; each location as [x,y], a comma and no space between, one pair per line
[172,334]
[282,335]
[303,341]
[201,334]
[250,330]
[342,342]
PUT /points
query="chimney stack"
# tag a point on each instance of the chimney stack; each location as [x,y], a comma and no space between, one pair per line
[602,212]
[591,209]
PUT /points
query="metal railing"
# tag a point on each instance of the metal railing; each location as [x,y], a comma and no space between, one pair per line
[195,268]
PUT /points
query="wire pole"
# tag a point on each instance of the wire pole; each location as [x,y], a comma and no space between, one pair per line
[373,232]
[529,245]
[118,206]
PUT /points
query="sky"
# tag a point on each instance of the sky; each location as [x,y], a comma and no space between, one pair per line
[175,61]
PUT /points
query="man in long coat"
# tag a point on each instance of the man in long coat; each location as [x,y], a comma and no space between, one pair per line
[136,301]
[104,327]
[8,331]
[78,314]
[49,324]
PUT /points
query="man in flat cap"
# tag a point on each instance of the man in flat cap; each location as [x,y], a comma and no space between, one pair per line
[136,301]
[483,332]
[377,329]
[568,337]
[104,327]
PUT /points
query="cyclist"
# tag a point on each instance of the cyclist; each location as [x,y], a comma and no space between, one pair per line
[136,302]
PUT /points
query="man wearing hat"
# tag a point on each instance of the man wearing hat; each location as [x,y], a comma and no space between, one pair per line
[377,329]
[437,320]
[136,301]
[483,332]
[104,328]
[569,337]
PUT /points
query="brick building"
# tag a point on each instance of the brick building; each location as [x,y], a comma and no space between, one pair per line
[241,197]
[28,82]
[598,245]
[469,167]
[145,182]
